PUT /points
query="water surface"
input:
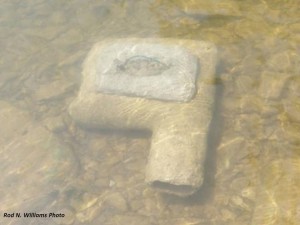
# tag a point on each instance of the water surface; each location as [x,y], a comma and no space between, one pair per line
[49,164]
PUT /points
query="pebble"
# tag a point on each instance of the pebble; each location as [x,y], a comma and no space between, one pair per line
[239,183]
[90,213]
[251,104]
[292,109]
[116,201]
[272,128]
[270,109]
[111,183]
[227,215]
[230,106]
[244,84]
[136,204]
[249,193]
[249,126]
[273,85]
[120,181]
[81,203]
[55,124]
[102,182]
[245,28]
[239,203]
[280,62]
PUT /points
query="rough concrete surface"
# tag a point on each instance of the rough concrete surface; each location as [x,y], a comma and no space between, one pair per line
[180,130]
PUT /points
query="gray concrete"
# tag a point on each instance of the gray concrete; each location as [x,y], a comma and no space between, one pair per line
[180,129]
[147,70]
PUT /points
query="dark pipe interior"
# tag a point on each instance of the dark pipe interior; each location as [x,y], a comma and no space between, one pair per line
[172,188]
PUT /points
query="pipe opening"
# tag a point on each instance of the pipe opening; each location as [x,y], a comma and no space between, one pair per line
[181,190]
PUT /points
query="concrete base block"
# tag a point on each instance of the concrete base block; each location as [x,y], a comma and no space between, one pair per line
[162,85]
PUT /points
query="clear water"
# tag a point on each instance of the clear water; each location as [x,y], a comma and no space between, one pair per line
[48,164]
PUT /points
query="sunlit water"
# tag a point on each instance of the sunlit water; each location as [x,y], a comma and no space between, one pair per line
[49,164]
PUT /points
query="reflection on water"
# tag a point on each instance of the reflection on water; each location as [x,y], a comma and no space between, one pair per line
[50,165]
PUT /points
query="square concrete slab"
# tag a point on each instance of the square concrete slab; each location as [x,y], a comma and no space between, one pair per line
[150,70]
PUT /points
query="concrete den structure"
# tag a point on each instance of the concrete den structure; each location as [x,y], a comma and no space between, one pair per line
[162,85]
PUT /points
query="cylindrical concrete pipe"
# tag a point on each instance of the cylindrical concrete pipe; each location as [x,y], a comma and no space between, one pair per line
[162,85]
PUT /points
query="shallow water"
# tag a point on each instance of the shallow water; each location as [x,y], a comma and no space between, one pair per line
[49,164]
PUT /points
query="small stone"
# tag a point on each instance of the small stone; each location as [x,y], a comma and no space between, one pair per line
[55,124]
[112,183]
[150,207]
[148,193]
[89,199]
[136,204]
[280,62]
[90,213]
[245,84]
[84,202]
[251,104]
[272,128]
[116,201]
[292,109]
[249,125]
[232,153]
[238,202]
[227,215]
[239,183]
[120,181]
[270,110]
[98,144]
[230,106]
[249,193]
[102,182]
[244,28]
[273,85]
